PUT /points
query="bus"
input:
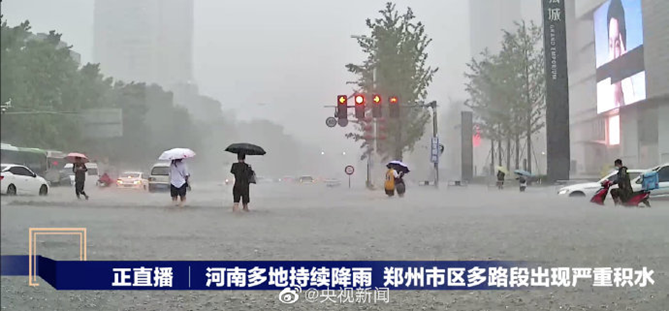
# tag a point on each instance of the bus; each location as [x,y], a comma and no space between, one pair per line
[34,158]
[55,160]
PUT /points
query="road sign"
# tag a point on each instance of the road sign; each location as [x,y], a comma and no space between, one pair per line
[349,169]
[342,122]
[103,123]
[434,150]
[331,121]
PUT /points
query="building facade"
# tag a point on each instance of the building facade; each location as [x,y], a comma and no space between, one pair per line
[637,133]
[145,40]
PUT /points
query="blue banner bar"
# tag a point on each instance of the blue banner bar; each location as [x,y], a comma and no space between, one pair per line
[319,275]
[260,275]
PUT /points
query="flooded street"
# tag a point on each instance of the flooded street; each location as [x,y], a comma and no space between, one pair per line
[313,222]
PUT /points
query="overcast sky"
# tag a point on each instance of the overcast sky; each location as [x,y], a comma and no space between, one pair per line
[287,55]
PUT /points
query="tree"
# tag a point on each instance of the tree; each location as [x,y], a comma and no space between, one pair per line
[507,91]
[525,50]
[396,65]
[45,86]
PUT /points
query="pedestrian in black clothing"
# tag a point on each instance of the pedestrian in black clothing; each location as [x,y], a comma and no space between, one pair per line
[500,179]
[624,191]
[243,178]
[79,169]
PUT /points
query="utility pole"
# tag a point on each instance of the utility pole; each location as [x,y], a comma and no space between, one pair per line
[435,135]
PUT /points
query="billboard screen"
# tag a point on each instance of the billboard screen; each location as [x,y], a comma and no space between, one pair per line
[621,73]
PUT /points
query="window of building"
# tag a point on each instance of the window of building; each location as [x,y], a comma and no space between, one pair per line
[613,130]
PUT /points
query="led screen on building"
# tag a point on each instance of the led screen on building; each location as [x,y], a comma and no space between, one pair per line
[621,73]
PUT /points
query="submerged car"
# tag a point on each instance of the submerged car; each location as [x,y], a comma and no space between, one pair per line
[332,182]
[20,180]
[589,189]
[159,178]
[306,180]
[132,180]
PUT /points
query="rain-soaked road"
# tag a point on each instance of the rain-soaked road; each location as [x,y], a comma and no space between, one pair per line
[315,222]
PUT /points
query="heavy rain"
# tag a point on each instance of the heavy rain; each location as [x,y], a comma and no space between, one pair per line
[269,132]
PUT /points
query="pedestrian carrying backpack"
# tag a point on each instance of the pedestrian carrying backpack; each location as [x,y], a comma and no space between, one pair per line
[649,181]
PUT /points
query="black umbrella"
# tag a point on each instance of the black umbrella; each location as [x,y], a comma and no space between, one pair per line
[245,148]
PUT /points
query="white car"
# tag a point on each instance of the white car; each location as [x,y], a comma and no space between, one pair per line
[663,179]
[92,175]
[589,189]
[20,180]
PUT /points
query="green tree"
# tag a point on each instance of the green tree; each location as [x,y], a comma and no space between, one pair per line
[507,91]
[396,64]
[524,49]
[41,79]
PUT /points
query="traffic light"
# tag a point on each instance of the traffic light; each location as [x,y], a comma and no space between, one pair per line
[376,109]
[342,109]
[359,106]
[394,107]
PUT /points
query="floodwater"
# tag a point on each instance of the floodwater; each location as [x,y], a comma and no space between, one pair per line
[313,222]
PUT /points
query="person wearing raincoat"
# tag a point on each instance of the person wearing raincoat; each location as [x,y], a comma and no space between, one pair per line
[389,185]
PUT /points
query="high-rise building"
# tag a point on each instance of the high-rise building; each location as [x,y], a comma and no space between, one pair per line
[487,18]
[145,40]
[602,130]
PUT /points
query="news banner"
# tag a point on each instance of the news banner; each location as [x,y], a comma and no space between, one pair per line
[355,280]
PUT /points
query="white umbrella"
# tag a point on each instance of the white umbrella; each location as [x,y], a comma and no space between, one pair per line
[176,154]
[399,163]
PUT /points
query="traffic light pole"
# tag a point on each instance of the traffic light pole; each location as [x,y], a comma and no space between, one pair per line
[435,132]
[370,185]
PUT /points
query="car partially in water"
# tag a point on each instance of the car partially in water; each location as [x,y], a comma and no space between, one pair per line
[159,177]
[589,189]
[132,180]
[20,180]
[306,179]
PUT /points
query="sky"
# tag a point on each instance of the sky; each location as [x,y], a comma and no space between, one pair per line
[280,60]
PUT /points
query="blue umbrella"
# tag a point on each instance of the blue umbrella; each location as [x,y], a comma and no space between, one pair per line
[522,172]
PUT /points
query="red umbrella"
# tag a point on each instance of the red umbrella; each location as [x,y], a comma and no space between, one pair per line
[72,155]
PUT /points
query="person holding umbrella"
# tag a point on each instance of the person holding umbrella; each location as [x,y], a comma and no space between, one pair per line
[522,179]
[79,169]
[244,174]
[501,174]
[400,169]
[178,181]
[179,174]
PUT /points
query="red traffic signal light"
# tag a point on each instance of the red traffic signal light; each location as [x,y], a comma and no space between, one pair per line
[376,99]
[394,100]
[359,99]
